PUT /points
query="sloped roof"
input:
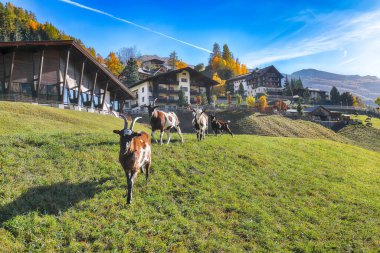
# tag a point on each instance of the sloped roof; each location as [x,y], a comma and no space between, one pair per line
[263,71]
[79,48]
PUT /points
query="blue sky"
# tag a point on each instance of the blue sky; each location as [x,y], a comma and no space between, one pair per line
[336,36]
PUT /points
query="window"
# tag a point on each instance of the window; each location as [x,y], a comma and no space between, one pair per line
[142,89]
[150,98]
[184,80]
[171,98]
[150,88]
[26,88]
[184,89]
[142,99]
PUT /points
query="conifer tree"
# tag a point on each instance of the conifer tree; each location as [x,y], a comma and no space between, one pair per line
[335,96]
[173,59]
[130,72]
[241,90]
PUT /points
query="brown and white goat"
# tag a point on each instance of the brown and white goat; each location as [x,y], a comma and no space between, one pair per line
[135,154]
[200,123]
[220,125]
[163,121]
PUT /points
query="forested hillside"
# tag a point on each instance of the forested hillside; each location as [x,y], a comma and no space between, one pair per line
[17,24]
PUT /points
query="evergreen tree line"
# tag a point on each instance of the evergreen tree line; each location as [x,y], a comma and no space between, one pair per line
[17,24]
[345,98]
[290,87]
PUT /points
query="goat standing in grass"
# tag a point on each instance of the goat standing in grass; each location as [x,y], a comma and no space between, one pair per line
[220,125]
[163,121]
[135,154]
[200,123]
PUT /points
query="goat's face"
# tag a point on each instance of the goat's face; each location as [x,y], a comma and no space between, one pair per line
[126,134]
[212,117]
[151,107]
[198,112]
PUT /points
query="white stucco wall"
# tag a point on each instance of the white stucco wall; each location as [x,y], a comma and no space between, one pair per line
[180,77]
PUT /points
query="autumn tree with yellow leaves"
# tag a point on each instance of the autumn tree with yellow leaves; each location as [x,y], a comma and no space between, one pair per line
[250,100]
[113,64]
[263,103]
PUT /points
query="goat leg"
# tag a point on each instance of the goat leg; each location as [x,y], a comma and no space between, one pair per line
[152,136]
[161,136]
[178,129]
[168,136]
[131,181]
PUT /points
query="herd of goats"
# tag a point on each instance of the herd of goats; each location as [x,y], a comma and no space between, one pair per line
[135,147]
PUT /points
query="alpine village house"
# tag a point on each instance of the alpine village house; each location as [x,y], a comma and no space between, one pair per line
[259,81]
[167,86]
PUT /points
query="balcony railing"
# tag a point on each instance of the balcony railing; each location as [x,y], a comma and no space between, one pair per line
[168,91]
[169,82]
[195,92]
[166,100]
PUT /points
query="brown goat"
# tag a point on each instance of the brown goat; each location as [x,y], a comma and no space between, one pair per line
[135,154]
[163,121]
[220,125]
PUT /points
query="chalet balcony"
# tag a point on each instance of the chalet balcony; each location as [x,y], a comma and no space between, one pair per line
[169,82]
[167,100]
[168,91]
[195,92]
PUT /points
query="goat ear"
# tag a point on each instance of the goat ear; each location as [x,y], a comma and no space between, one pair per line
[116,132]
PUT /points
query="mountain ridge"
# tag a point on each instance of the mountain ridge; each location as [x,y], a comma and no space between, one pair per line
[367,87]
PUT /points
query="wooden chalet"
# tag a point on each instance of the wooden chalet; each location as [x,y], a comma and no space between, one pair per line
[59,72]
[321,113]
[266,80]
[266,77]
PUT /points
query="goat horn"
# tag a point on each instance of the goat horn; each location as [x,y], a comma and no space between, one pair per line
[133,123]
[125,120]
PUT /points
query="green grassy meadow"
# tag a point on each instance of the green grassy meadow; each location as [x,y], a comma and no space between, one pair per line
[375,121]
[62,189]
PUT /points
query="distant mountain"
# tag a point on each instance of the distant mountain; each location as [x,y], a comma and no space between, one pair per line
[146,57]
[150,57]
[367,87]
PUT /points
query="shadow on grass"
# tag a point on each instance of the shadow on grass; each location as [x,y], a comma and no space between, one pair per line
[50,199]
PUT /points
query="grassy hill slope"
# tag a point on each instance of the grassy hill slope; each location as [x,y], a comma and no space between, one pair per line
[375,121]
[21,118]
[66,191]
[363,136]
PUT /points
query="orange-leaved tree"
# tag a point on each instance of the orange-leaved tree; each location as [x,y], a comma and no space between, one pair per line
[199,100]
[180,65]
[280,105]
[114,64]
[263,103]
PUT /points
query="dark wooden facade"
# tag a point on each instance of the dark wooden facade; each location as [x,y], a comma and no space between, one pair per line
[266,77]
[56,71]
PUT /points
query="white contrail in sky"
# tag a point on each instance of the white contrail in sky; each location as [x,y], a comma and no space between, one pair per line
[134,24]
